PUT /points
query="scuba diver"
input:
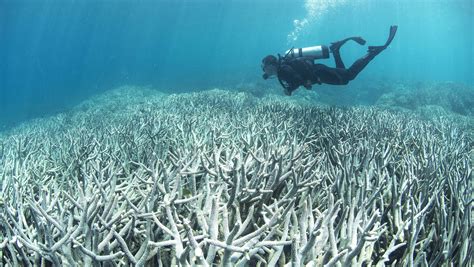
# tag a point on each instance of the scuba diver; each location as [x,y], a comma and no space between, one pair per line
[297,67]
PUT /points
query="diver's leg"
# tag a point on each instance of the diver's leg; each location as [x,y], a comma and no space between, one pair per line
[334,47]
[373,51]
[328,75]
[338,59]
[359,65]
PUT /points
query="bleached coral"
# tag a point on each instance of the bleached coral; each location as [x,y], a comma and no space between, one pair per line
[223,178]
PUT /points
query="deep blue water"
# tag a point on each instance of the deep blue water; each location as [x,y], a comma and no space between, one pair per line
[56,53]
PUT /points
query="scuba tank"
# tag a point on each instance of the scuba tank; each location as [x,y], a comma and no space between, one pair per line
[313,52]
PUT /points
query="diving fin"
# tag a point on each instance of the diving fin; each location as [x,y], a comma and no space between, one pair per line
[334,47]
[378,49]
[393,31]
[359,40]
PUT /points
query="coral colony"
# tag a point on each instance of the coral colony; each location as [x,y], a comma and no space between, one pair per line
[227,179]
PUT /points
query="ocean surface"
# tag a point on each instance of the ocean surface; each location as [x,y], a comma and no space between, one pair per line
[55,54]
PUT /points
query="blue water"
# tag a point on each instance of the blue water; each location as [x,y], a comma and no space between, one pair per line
[56,53]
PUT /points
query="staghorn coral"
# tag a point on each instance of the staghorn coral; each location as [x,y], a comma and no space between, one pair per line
[450,96]
[223,178]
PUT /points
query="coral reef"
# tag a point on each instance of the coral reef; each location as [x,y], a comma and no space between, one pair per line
[452,97]
[227,178]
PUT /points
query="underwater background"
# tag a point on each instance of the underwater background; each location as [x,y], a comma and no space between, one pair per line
[54,54]
[142,133]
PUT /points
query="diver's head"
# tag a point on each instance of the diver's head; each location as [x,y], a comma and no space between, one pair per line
[269,66]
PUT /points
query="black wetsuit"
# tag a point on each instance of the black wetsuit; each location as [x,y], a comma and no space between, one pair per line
[295,72]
